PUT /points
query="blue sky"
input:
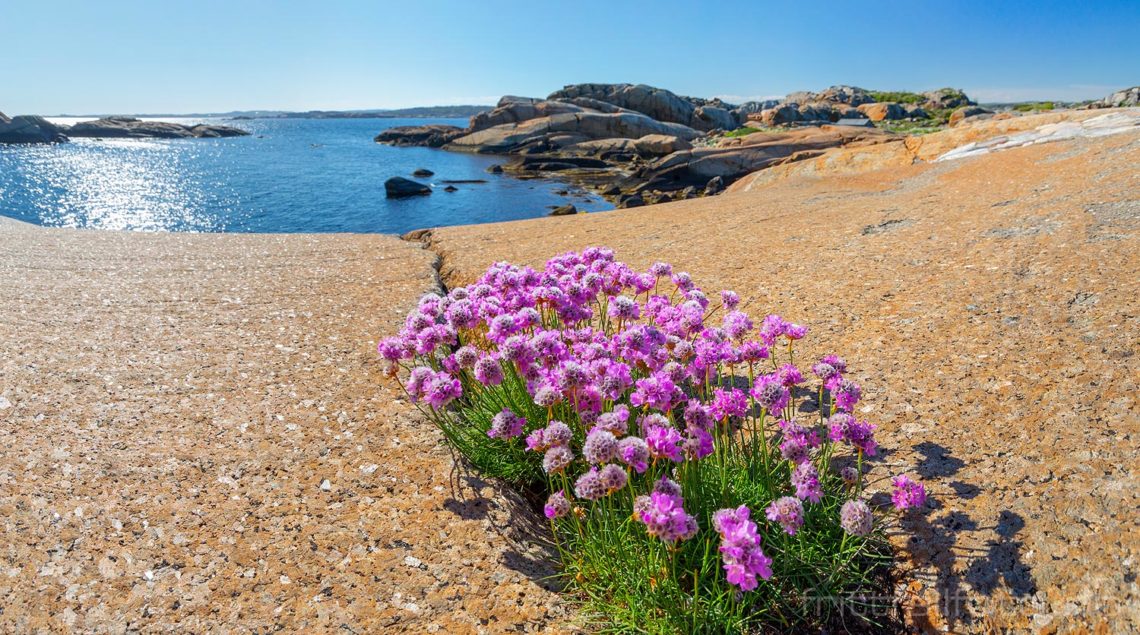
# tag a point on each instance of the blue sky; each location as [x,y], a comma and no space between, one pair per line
[119,56]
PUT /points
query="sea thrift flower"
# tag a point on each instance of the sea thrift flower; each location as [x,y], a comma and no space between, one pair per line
[770,393]
[546,396]
[624,308]
[847,395]
[855,518]
[589,486]
[663,442]
[557,434]
[556,459]
[740,548]
[666,485]
[788,512]
[753,351]
[535,441]
[616,421]
[789,375]
[556,505]
[729,403]
[506,425]
[737,325]
[441,390]
[805,478]
[488,371]
[654,391]
[634,452]
[860,434]
[600,447]
[466,357]
[698,444]
[849,475]
[907,493]
[613,478]
[665,518]
[730,299]
[393,349]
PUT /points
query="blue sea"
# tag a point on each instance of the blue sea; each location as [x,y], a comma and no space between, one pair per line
[289,175]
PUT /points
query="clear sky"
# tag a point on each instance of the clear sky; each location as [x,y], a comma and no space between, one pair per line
[172,56]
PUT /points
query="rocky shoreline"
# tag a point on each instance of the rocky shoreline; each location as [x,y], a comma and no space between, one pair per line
[637,144]
[26,129]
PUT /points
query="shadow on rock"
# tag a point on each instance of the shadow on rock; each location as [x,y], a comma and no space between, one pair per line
[510,514]
[936,539]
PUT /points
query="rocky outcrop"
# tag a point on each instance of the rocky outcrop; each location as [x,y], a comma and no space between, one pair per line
[431,135]
[584,126]
[29,129]
[130,128]
[518,111]
[399,187]
[966,112]
[883,111]
[656,103]
[1120,99]
[850,95]
[946,98]
[739,156]
[654,145]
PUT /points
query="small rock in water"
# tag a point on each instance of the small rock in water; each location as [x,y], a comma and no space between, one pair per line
[399,187]
[423,173]
[564,210]
[495,169]
[450,188]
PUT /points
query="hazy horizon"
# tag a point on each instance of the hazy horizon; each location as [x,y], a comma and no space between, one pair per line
[210,56]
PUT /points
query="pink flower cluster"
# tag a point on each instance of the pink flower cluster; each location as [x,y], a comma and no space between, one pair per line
[740,548]
[635,372]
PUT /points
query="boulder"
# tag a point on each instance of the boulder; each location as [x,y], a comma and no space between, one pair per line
[945,98]
[131,128]
[850,95]
[883,111]
[1121,98]
[914,111]
[714,186]
[515,99]
[564,210]
[713,118]
[29,129]
[495,169]
[430,135]
[514,112]
[782,114]
[660,144]
[630,200]
[450,188]
[423,173]
[966,112]
[748,108]
[656,103]
[509,138]
[817,111]
[399,187]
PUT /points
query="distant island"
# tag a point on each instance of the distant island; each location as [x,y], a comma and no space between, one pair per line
[418,112]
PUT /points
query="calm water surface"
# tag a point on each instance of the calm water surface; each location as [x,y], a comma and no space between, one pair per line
[290,175]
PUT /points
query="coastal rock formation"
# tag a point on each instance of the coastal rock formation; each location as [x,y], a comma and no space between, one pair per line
[131,128]
[966,112]
[945,98]
[739,156]
[429,135]
[29,129]
[656,103]
[881,111]
[507,138]
[624,125]
[399,187]
[1120,99]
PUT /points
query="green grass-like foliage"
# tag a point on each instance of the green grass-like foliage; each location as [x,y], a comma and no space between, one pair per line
[897,96]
